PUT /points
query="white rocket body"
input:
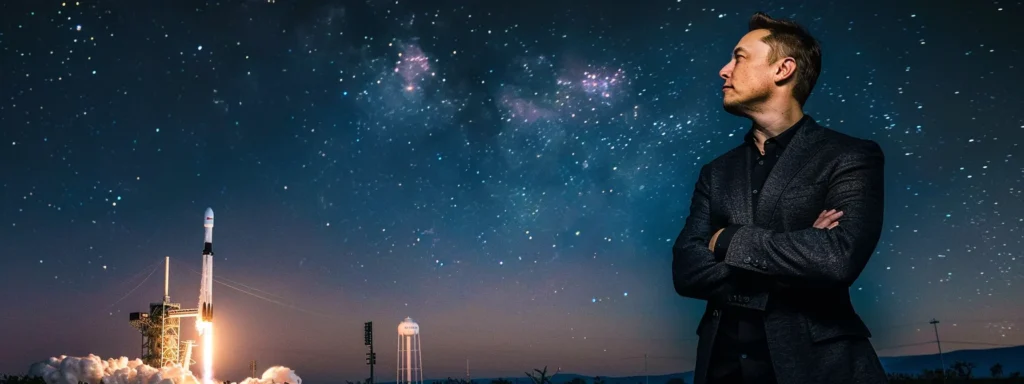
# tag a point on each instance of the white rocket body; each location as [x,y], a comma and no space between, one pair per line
[206,284]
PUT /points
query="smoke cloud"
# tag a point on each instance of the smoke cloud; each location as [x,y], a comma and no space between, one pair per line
[92,369]
[275,375]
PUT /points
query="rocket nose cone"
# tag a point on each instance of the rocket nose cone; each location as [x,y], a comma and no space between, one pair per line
[209,213]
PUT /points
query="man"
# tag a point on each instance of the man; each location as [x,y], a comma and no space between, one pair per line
[780,227]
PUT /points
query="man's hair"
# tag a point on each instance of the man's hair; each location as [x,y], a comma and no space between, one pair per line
[789,39]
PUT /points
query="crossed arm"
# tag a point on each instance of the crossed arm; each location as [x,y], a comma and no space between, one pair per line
[827,257]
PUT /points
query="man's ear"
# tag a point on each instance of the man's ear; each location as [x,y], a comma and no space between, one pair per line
[785,70]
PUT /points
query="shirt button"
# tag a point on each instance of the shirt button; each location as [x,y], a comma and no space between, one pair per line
[743,356]
[755,191]
[760,162]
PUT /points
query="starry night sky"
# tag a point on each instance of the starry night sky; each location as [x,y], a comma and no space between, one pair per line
[511,175]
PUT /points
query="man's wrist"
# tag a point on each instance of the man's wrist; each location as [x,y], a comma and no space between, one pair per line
[724,238]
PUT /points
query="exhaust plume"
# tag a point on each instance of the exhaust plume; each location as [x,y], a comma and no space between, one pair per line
[92,369]
[275,375]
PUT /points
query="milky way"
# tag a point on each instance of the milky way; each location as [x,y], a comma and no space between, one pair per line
[510,175]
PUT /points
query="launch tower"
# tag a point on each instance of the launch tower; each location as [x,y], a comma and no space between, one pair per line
[161,330]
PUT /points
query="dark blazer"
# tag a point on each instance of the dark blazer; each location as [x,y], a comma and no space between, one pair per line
[778,263]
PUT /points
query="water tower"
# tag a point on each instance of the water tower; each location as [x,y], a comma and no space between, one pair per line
[410,358]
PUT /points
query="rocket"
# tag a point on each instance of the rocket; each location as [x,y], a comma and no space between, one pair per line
[206,284]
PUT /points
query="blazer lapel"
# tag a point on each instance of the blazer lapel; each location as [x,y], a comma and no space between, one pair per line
[794,157]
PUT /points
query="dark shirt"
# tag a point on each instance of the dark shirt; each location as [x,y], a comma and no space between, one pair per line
[740,353]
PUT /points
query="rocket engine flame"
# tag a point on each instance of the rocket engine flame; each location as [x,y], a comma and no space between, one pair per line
[208,354]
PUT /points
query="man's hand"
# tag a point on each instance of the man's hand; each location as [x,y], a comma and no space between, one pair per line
[714,239]
[826,220]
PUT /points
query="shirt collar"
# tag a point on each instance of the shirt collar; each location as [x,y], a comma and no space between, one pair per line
[782,139]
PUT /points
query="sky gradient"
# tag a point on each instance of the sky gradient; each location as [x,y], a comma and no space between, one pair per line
[510,175]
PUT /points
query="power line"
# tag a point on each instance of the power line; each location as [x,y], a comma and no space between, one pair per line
[882,328]
[982,343]
[155,268]
[143,270]
[658,357]
[891,347]
[251,288]
[903,346]
[267,299]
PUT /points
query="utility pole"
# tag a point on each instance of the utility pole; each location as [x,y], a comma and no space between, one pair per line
[647,378]
[935,324]
[468,376]
[252,369]
[371,358]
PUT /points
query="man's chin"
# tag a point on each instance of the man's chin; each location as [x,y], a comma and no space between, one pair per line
[734,108]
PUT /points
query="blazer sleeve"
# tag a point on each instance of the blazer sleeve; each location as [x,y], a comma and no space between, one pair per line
[828,257]
[695,271]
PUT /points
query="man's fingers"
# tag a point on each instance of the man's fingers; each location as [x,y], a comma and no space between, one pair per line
[830,214]
[826,224]
[828,219]
[826,213]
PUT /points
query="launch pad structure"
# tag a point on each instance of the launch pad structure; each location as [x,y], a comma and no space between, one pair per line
[161,330]
[161,326]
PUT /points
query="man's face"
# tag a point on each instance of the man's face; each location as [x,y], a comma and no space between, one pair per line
[748,75]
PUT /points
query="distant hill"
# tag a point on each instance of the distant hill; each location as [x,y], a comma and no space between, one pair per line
[563,378]
[1012,359]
